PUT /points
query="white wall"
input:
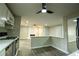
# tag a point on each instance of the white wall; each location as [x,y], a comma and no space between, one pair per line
[26,29]
[56,31]
[23,32]
[71,30]
[42,32]
[59,43]
[58,40]
[59,36]
[72,33]
[46,31]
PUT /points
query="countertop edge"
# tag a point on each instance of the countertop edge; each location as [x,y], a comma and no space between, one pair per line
[9,43]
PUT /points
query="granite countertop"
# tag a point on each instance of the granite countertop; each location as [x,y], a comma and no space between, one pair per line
[5,43]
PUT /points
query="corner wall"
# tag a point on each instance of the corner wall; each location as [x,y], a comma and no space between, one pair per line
[59,39]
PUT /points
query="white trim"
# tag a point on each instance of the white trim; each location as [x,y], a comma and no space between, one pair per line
[3,37]
[39,47]
[61,49]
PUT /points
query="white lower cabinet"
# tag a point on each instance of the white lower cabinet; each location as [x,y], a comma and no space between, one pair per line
[11,50]
[2,53]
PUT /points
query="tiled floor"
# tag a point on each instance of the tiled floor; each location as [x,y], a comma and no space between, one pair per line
[25,50]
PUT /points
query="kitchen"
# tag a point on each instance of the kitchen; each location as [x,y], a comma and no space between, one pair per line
[9,45]
[24,33]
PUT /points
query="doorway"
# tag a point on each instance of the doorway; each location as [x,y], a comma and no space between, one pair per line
[72,23]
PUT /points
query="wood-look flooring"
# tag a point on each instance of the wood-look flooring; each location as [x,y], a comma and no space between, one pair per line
[47,51]
[25,50]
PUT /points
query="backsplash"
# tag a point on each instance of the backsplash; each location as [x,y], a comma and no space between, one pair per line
[2,29]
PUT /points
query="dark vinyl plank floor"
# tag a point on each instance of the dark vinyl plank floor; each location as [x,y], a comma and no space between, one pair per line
[45,51]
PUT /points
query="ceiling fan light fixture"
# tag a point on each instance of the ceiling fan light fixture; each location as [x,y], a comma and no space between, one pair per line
[44,10]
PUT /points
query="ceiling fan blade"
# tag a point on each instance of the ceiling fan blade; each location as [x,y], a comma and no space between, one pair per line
[48,11]
[38,12]
[43,5]
[44,8]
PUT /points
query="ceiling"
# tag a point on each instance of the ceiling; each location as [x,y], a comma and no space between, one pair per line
[28,11]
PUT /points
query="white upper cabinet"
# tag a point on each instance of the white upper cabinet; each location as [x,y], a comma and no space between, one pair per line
[10,18]
[6,17]
[3,15]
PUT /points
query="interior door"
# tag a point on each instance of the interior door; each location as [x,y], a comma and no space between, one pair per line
[77,33]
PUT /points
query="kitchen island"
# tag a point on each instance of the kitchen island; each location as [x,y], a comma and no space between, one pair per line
[40,41]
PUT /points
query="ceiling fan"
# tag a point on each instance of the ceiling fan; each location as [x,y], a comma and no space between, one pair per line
[44,9]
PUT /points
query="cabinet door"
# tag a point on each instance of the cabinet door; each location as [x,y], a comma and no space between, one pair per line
[4,12]
[10,18]
[13,48]
[3,15]
[9,50]
[1,21]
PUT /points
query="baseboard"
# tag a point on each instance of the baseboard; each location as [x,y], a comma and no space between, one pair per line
[40,47]
[60,49]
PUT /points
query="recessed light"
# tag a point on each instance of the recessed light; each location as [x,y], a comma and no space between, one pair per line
[75,20]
